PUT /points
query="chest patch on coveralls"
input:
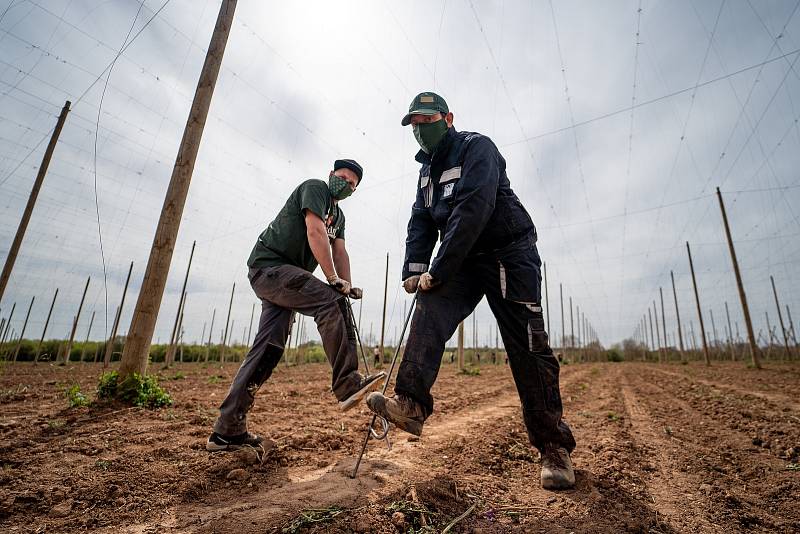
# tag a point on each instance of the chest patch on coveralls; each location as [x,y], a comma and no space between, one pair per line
[448,181]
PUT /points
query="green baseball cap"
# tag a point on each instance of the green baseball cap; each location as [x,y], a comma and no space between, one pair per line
[426,103]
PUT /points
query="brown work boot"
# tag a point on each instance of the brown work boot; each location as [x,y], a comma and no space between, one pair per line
[365,385]
[557,471]
[405,412]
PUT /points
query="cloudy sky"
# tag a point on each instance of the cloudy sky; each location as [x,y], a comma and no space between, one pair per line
[617,120]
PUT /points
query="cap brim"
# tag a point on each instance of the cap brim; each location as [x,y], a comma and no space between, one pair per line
[407,119]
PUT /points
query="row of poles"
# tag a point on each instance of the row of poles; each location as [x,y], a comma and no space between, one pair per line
[652,337]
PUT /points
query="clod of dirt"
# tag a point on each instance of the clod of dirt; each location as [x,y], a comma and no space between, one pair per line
[62,509]
[237,474]
[399,520]
[248,456]
[705,488]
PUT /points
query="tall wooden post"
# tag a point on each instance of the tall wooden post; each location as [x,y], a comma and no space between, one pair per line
[4,331]
[227,322]
[24,326]
[170,357]
[137,349]
[546,297]
[210,332]
[658,331]
[75,324]
[791,325]
[714,329]
[461,345]
[699,310]
[44,330]
[252,314]
[563,328]
[663,322]
[677,312]
[780,318]
[571,325]
[88,332]
[730,332]
[383,315]
[742,297]
[652,336]
[26,215]
[117,316]
[179,340]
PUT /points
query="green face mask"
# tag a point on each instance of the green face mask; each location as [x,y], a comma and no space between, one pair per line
[339,187]
[430,134]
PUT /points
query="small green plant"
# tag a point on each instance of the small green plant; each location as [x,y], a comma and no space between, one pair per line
[102,464]
[611,416]
[55,424]
[793,467]
[214,379]
[134,389]
[470,371]
[75,397]
[177,376]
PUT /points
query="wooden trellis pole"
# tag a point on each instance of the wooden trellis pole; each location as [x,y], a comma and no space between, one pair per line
[227,322]
[210,333]
[740,286]
[780,318]
[26,215]
[140,333]
[117,316]
[385,293]
[88,332]
[170,357]
[677,312]
[699,310]
[75,323]
[44,330]
[24,326]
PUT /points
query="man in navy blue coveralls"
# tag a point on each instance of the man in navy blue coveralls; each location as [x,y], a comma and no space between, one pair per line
[488,248]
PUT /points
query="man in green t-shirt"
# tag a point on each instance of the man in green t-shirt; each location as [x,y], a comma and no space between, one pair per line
[307,232]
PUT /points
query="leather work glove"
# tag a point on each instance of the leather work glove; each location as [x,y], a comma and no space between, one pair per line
[356,293]
[427,282]
[410,284]
[339,284]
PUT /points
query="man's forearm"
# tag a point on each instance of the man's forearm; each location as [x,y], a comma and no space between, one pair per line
[341,260]
[320,247]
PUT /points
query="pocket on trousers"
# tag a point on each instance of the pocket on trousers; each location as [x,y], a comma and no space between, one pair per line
[519,276]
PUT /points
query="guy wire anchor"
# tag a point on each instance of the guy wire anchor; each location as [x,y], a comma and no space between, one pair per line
[384,423]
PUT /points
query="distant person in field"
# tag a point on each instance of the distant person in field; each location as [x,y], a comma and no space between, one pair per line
[488,248]
[307,232]
[376,352]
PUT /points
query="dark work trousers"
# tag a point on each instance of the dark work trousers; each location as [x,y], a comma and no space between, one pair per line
[283,290]
[535,369]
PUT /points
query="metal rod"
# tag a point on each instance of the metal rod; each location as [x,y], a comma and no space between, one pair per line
[385,386]
[385,292]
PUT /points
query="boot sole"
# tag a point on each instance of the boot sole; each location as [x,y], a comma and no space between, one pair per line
[353,399]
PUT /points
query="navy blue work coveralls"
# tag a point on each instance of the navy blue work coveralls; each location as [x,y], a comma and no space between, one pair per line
[488,247]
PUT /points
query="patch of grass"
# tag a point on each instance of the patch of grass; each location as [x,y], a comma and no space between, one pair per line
[611,416]
[793,467]
[311,517]
[102,464]
[470,371]
[177,376]
[214,379]
[55,424]
[134,389]
[75,397]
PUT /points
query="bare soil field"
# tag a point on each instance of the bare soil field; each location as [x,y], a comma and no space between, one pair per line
[661,448]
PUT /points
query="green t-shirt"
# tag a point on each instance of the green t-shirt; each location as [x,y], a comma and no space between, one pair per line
[285,241]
